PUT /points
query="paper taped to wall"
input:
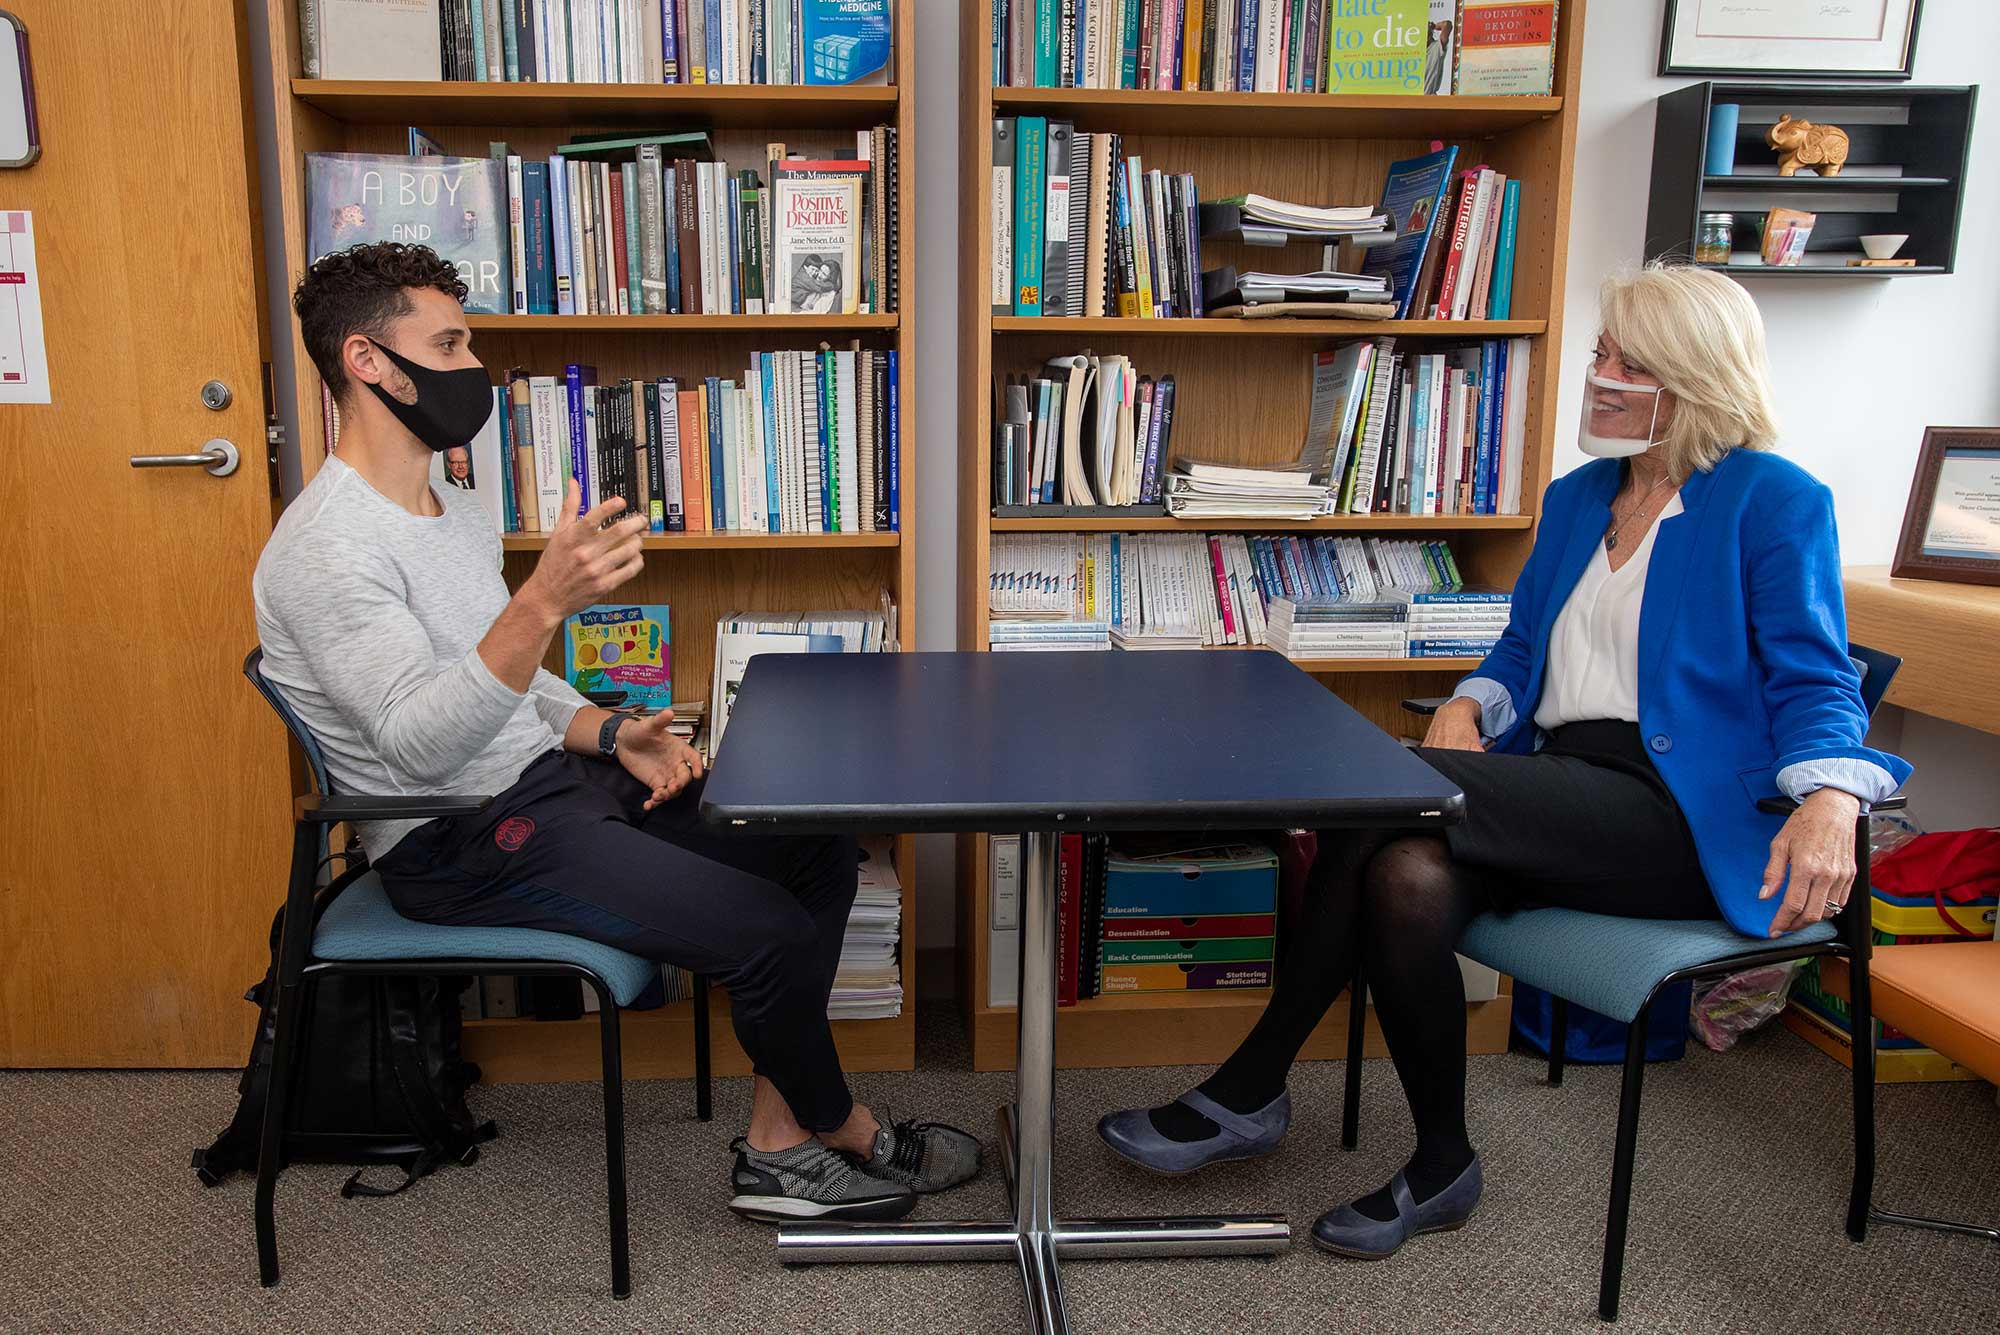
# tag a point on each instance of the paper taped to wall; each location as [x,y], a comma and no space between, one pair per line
[24,357]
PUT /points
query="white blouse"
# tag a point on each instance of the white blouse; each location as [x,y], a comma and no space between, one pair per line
[1593,670]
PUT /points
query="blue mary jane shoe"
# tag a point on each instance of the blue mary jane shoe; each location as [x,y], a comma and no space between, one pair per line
[1350,1233]
[1238,1135]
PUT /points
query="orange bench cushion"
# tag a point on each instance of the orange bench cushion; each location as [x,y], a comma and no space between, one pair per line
[1946,994]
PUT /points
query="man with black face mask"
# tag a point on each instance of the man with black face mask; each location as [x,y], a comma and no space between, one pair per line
[386,623]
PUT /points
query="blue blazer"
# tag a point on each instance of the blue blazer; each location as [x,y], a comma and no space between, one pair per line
[1743,666]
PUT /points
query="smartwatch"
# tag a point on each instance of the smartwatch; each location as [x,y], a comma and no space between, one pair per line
[607,736]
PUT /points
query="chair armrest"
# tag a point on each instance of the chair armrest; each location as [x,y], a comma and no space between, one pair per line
[345,806]
[1785,806]
[605,699]
[1426,705]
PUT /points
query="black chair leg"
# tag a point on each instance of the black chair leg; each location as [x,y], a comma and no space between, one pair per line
[1357,1025]
[614,1140]
[704,1100]
[1861,1199]
[1558,1037]
[1613,1273]
[286,1006]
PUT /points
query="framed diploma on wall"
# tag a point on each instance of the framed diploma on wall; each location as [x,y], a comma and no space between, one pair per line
[1856,39]
[1951,527]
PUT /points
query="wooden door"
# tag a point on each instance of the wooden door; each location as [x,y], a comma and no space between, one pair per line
[143,807]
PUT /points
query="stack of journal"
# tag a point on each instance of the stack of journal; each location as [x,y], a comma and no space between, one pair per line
[868,985]
[1199,489]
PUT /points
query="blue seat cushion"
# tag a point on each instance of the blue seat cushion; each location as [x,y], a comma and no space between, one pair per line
[1609,964]
[361,924]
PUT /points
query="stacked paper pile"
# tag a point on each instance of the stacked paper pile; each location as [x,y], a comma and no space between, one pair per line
[1199,489]
[1157,637]
[1329,628]
[1031,636]
[869,982]
[1263,221]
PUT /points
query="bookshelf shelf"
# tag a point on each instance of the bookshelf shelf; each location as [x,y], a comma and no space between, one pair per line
[724,542]
[1244,387]
[1822,270]
[386,102]
[657,1044]
[710,574]
[1402,524]
[1231,328]
[1845,181]
[669,324]
[1276,115]
[727,542]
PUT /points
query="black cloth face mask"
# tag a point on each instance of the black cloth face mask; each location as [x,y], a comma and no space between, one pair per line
[451,406]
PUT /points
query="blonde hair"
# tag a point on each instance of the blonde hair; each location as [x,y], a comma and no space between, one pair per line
[1701,336]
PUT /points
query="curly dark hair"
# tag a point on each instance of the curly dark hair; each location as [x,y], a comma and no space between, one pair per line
[360,291]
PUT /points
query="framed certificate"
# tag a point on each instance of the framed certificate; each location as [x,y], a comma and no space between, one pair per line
[1857,39]
[1951,527]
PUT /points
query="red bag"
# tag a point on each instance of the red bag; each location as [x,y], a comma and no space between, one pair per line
[1961,866]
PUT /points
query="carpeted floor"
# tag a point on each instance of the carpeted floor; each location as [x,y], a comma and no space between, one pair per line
[1736,1223]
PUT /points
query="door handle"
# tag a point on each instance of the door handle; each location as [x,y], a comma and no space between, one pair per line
[218,456]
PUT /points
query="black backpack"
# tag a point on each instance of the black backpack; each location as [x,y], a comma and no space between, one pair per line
[378,1077]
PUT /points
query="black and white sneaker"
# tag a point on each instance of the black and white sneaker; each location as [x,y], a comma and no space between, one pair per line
[810,1181]
[923,1156]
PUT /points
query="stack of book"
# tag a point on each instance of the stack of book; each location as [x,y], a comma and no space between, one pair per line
[1085,431]
[1200,489]
[600,41]
[1080,229]
[1408,47]
[741,636]
[1453,253]
[1334,628]
[868,985]
[1160,590]
[1454,623]
[1177,918]
[1010,636]
[627,223]
[801,442]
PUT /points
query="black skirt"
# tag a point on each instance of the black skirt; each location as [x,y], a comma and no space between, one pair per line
[1586,823]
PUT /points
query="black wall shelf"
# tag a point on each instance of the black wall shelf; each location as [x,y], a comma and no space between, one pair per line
[1905,173]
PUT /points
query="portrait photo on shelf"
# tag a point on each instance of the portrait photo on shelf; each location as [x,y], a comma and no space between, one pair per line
[1951,526]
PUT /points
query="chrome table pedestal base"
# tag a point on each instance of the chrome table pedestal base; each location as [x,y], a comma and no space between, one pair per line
[1034,1239]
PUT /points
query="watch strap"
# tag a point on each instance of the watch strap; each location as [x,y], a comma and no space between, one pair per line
[607,735]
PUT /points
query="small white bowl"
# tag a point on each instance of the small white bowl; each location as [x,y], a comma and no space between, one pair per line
[1883,245]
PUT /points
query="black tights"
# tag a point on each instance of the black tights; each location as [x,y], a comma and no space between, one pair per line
[1404,901]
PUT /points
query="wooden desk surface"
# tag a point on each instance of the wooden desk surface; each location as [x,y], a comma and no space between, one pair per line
[1948,636]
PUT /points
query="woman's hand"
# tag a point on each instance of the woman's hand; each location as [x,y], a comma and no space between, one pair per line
[1817,846]
[657,758]
[1455,726]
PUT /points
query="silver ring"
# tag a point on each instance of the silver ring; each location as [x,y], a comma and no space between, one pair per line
[689,766]
[1833,906]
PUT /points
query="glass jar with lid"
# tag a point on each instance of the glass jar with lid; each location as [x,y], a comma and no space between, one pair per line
[1715,238]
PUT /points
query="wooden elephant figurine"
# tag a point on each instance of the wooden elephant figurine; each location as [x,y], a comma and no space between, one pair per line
[1804,144]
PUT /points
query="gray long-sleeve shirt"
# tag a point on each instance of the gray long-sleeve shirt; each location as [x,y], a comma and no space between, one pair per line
[370,617]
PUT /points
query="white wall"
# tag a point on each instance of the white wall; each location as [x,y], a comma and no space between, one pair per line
[1862,365]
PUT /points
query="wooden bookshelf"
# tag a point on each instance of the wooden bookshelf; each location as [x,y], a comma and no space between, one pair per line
[700,575]
[1244,395]
[1125,327]
[1945,633]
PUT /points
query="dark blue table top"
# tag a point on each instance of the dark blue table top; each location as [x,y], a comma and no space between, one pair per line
[1000,743]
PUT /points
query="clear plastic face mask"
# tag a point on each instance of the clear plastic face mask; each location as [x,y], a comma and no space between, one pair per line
[1615,447]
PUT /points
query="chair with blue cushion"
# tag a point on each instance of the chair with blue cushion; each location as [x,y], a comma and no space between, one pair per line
[359,932]
[1617,966]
